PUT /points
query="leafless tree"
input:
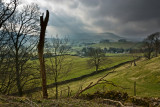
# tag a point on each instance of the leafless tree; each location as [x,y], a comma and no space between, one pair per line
[96,57]
[156,42]
[152,44]
[22,28]
[58,66]
[7,10]
[6,80]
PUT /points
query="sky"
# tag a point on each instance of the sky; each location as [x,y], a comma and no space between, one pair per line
[127,18]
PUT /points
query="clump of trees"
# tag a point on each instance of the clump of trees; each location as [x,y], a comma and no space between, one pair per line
[122,40]
[104,41]
[152,45]
[84,51]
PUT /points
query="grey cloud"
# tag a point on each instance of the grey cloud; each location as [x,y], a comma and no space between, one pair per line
[68,23]
[90,3]
[69,3]
[129,10]
[74,4]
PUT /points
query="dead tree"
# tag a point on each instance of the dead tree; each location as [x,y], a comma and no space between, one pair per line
[43,24]
[99,81]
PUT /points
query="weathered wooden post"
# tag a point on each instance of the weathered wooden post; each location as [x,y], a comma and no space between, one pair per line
[68,91]
[135,88]
[61,94]
[43,24]
[71,93]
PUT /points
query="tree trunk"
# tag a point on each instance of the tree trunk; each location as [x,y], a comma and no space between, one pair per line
[56,73]
[97,68]
[18,81]
[135,63]
[43,24]
[156,53]
[56,88]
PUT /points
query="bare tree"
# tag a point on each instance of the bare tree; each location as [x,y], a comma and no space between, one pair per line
[152,44]
[22,28]
[156,42]
[58,66]
[7,10]
[43,24]
[96,57]
[6,80]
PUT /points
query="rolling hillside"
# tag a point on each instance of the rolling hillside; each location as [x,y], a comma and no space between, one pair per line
[146,74]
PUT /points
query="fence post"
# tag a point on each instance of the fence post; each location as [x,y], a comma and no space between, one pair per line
[135,88]
[68,91]
[71,93]
[61,94]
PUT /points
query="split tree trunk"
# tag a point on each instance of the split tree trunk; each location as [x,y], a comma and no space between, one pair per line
[43,24]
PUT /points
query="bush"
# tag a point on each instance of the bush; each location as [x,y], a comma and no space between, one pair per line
[114,95]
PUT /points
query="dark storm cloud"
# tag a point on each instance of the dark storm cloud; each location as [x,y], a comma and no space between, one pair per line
[129,10]
[133,16]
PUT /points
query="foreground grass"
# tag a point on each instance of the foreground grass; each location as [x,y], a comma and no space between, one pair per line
[10,101]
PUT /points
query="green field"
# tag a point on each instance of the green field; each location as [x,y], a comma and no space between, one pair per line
[79,66]
[123,45]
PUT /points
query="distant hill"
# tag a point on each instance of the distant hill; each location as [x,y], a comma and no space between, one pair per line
[95,37]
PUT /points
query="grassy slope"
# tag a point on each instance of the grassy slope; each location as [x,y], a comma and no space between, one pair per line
[146,74]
